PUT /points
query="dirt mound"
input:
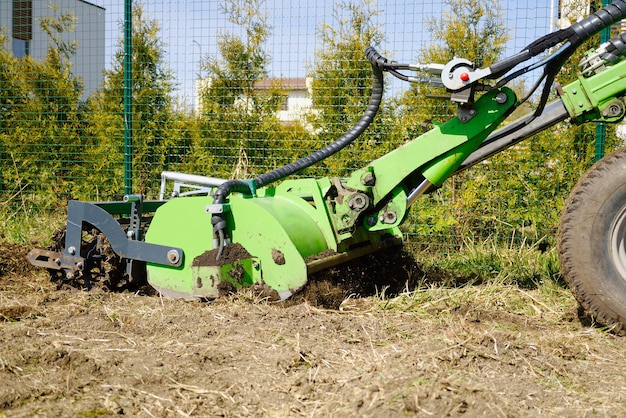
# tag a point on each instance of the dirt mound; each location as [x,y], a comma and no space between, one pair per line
[385,273]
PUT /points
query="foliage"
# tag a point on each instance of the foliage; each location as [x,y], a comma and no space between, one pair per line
[153,120]
[342,79]
[478,262]
[238,115]
[41,116]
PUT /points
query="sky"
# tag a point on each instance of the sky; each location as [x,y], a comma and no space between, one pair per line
[189,30]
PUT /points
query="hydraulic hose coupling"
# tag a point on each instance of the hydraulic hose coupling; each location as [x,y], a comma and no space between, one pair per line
[375,58]
[614,48]
[219,224]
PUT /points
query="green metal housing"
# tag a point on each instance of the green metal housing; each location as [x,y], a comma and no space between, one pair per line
[597,98]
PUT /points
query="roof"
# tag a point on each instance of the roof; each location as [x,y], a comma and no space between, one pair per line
[92,4]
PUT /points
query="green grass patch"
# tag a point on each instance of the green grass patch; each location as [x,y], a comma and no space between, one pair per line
[479,262]
[22,225]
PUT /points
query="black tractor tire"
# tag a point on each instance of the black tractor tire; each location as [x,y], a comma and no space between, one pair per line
[592,242]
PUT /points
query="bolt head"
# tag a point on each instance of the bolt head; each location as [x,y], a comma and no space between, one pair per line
[368,179]
[173,256]
[388,217]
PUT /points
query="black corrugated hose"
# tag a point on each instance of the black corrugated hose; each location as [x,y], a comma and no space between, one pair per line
[378,63]
[579,33]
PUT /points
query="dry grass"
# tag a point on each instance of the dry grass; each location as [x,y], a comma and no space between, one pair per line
[478,350]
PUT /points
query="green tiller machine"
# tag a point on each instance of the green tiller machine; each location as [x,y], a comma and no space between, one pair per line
[274,231]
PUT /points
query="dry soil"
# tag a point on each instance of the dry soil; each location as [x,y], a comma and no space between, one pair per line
[435,351]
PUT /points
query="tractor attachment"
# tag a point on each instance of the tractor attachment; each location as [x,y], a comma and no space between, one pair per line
[214,236]
[229,234]
[277,238]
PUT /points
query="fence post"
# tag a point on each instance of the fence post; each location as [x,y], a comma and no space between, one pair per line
[128,97]
[605,35]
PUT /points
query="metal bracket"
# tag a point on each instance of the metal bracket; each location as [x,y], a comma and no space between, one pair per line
[597,97]
[81,213]
[345,206]
[56,261]
[466,112]
[460,73]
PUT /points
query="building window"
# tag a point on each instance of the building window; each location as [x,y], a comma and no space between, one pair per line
[20,48]
[22,27]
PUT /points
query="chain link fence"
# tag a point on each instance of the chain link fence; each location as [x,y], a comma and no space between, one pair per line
[98,98]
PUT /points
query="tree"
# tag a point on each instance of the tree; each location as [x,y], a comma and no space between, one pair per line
[42,117]
[342,80]
[470,29]
[13,95]
[473,30]
[238,116]
[153,114]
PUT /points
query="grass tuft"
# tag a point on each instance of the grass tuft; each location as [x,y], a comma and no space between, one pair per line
[479,262]
[28,226]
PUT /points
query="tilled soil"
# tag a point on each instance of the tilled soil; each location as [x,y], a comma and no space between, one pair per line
[438,351]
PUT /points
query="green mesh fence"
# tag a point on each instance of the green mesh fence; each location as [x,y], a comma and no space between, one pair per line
[235,88]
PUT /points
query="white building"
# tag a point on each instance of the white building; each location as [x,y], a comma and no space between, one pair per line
[297,102]
[298,97]
[22,18]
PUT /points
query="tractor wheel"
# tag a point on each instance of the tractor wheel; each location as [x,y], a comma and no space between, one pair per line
[592,241]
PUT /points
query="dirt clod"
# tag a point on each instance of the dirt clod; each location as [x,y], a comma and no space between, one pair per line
[263,291]
[13,259]
[278,257]
[230,254]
